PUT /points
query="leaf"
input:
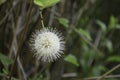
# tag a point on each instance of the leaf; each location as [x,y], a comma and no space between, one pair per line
[83,64]
[63,21]
[5,71]
[5,60]
[84,33]
[112,22]
[102,25]
[45,3]
[114,59]
[117,26]
[72,59]
[98,69]
[2,1]
[109,46]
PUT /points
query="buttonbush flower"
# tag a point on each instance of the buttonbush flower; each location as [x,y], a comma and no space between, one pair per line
[47,44]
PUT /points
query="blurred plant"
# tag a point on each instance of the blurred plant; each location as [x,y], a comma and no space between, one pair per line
[63,21]
[6,61]
[2,1]
[91,34]
[72,59]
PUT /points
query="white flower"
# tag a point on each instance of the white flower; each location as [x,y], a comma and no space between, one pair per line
[47,44]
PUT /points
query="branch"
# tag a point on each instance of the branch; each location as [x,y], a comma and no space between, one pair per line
[110,71]
[21,39]
[94,78]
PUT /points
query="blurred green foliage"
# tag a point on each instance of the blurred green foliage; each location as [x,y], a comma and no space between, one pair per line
[6,61]
[92,45]
[2,1]
[64,22]
[72,59]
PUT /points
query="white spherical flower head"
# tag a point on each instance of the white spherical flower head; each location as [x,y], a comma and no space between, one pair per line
[48,44]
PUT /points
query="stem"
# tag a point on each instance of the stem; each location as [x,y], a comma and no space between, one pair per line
[21,40]
[113,69]
[41,16]
[106,77]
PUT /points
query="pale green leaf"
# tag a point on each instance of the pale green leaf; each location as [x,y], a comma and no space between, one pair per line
[98,69]
[72,59]
[2,1]
[5,60]
[117,26]
[112,22]
[45,3]
[63,21]
[102,25]
[85,33]
[5,71]
[109,45]
[114,59]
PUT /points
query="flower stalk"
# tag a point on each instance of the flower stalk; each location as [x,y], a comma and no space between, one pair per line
[41,16]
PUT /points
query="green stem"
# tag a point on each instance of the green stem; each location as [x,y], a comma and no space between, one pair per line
[41,16]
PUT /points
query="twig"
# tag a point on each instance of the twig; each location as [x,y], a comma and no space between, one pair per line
[14,45]
[98,37]
[113,69]
[20,64]
[51,16]
[66,75]
[96,44]
[88,42]
[41,16]
[94,78]
[77,17]
[74,75]
[21,39]
[8,13]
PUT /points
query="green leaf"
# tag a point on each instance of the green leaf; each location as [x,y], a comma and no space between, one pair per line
[114,59]
[5,60]
[112,22]
[2,1]
[97,70]
[109,45]
[45,3]
[84,33]
[102,25]
[63,21]
[117,26]
[5,71]
[72,59]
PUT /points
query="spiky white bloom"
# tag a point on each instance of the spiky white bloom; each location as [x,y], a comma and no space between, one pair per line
[47,44]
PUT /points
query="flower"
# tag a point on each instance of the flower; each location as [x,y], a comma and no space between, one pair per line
[47,44]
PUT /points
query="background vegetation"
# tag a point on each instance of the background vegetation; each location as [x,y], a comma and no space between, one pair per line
[92,34]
